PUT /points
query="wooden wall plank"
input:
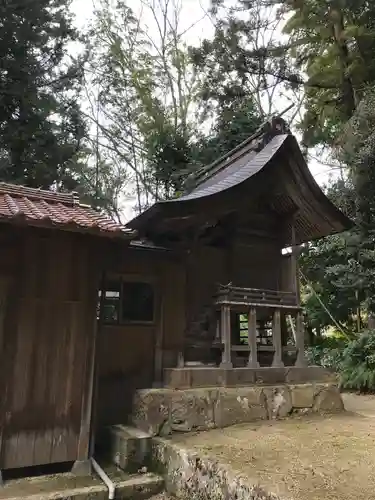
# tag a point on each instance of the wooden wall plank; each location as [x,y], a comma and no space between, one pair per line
[9,348]
[25,338]
[47,347]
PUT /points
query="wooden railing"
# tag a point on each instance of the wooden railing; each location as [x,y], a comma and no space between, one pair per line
[229,294]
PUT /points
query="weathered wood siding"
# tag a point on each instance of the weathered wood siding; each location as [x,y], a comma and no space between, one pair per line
[47,328]
[126,352]
[256,266]
[206,267]
[288,281]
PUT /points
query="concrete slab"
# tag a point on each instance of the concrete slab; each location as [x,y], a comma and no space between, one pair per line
[70,487]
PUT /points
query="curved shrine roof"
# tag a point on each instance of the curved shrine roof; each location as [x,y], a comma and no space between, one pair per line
[274,153]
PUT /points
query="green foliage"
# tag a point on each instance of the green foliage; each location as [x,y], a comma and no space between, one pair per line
[147,89]
[244,60]
[327,352]
[41,130]
[357,369]
[150,94]
[356,147]
[236,121]
[333,44]
[335,272]
[354,361]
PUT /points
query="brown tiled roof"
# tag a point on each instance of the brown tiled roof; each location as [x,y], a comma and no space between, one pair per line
[38,207]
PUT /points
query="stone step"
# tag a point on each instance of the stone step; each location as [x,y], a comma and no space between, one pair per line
[143,487]
[127,447]
[70,487]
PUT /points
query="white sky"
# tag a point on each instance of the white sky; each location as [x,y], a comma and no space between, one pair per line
[199,26]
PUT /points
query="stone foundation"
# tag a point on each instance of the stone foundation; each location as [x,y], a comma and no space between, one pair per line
[212,376]
[160,412]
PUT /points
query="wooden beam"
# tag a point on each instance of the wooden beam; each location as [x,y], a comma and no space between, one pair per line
[300,341]
[294,264]
[158,353]
[276,339]
[82,465]
[226,361]
[252,339]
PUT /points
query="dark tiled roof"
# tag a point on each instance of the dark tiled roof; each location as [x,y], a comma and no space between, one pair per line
[296,192]
[234,171]
[38,207]
[238,157]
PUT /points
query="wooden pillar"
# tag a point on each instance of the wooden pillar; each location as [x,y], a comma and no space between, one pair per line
[294,265]
[252,339]
[158,354]
[226,360]
[217,332]
[3,306]
[300,341]
[82,465]
[180,359]
[284,330]
[276,339]
[191,247]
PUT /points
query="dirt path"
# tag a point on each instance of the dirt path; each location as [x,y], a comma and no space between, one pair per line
[309,458]
[363,405]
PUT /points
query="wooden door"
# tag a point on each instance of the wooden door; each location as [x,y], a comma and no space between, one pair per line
[47,338]
[125,351]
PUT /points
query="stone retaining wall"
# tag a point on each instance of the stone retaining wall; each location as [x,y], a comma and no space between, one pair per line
[163,411]
[188,476]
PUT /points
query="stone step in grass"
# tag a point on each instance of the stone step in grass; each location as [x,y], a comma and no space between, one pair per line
[70,487]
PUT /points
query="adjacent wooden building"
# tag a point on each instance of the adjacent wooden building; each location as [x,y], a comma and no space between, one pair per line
[202,279]
[52,253]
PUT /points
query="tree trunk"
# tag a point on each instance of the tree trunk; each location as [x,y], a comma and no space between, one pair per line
[348,91]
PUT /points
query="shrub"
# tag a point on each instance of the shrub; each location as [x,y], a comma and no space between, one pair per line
[327,352]
[357,367]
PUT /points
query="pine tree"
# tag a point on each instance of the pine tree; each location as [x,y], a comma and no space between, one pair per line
[333,44]
[40,125]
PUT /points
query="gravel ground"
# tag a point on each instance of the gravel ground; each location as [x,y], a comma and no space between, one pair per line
[307,458]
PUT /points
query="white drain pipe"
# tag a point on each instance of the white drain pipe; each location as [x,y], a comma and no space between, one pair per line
[103,476]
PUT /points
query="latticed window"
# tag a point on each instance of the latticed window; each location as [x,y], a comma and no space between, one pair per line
[264,331]
[127,301]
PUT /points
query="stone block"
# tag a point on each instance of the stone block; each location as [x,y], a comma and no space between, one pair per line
[193,410]
[209,376]
[151,411]
[298,375]
[177,378]
[327,399]
[240,405]
[240,377]
[129,448]
[302,395]
[279,401]
[269,375]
